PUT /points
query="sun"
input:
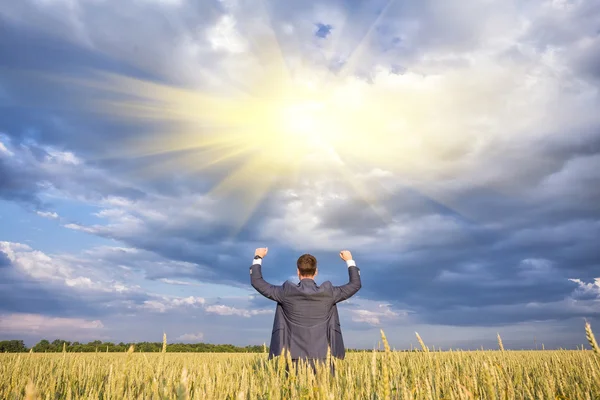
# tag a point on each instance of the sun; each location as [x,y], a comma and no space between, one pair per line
[282,125]
[276,131]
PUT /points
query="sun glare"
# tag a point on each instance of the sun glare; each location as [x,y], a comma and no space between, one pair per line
[279,128]
[304,119]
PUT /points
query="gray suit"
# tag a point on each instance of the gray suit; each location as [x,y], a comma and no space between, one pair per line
[306,318]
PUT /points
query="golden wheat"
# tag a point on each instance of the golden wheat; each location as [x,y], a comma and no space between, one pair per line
[425,349]
[500,343]
[571,374]
[591,339]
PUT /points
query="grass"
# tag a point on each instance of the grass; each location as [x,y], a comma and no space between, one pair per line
[505,374]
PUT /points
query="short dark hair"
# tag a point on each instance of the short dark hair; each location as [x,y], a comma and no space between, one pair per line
[307,265]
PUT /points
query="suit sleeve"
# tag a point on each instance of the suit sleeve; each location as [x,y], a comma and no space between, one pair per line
[272,292]
[344,292]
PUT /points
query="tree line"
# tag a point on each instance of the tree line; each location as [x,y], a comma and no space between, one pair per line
[58,345]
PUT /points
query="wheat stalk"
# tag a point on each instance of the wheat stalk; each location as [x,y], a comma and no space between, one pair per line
[590,337]
[30,391]
[386,345]
[164,346]
[500,343]
[182,389]
[425,349]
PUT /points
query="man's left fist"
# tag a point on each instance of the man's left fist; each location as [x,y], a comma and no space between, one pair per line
[261,252]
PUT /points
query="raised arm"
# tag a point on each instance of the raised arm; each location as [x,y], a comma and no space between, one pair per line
[272,292]
[341,293]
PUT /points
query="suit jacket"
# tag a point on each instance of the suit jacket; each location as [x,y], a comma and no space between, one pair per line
[306,319]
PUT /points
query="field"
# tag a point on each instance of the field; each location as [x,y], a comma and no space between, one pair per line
[556,374]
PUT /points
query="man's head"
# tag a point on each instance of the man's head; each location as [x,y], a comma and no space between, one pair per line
[307,266]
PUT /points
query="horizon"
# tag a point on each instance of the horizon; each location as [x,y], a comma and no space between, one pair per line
[416,347]
[148,148]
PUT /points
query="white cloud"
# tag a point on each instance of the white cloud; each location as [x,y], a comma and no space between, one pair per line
[36,263]
[47,214]
[587,290]
[41,324]
[178,282]
[164,303]
[191,337]
[374,313]
[221,309]
[62,157]
[64,269]
[170,3]
[225,36]
[4,150]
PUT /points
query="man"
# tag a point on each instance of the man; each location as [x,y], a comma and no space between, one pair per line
[306,319]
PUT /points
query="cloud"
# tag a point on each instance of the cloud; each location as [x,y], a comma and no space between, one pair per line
[4,151]
[223,36]
[4,260]
[587,291]
[177,282]
[164,303]
[116,291]
[383,313]
[33,169]
[61,270]
[221,309]
[191,337]
[47,214]
[50,326]
[486,215]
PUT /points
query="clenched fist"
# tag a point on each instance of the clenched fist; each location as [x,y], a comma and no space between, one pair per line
[261,252]
[345,255]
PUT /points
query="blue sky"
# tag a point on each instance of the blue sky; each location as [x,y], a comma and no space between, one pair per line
[492,228]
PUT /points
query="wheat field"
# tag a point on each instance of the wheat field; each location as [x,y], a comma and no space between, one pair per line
[426,374]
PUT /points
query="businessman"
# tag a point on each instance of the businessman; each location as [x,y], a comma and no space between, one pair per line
[306,319]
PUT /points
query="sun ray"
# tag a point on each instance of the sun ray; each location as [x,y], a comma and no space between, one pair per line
[239,125]
[196,160]
[251,172]
[282,126]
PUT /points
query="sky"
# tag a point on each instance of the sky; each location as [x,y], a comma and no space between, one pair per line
[452,146]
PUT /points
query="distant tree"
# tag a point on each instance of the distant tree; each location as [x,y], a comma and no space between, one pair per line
[42,346]
[57,346]
[12,346]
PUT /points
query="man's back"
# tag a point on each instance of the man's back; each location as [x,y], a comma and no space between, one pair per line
[306,319]
[307,303]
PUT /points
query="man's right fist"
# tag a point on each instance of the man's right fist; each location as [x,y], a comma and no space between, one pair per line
[262,251]
[345,255]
